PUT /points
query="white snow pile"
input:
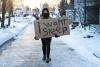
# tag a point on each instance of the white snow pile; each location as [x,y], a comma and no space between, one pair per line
[85,42]
[18,26]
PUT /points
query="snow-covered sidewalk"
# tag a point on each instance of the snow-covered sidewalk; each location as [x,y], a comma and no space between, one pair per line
[88,48]
[27,52]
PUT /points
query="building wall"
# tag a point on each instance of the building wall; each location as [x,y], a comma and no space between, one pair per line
[93,10]
[80,12]
[92,15]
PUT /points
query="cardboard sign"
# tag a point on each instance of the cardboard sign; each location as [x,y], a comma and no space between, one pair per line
[50,27]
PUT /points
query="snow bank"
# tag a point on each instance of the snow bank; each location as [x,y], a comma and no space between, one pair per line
[4,36]
[15,29]
[86,47]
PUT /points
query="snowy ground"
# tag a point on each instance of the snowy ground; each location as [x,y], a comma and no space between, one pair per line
[18,24]
[27,52]
[74,50]
[89,48]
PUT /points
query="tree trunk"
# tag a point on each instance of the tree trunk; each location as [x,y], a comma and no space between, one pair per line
[10,11]
[9,18]
[3,13]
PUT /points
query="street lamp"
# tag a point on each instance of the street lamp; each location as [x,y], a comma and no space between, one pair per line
[68,2]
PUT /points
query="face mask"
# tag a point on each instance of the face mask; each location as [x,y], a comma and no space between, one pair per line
[45,15]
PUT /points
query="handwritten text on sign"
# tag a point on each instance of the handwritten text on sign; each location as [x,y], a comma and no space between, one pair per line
[51,27]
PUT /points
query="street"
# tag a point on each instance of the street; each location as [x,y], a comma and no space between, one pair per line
[25,51]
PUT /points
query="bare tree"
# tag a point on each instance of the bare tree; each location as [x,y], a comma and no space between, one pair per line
[3,13]
[10,10]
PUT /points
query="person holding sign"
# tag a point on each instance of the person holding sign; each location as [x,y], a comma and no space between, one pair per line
[46,28]
[46,41]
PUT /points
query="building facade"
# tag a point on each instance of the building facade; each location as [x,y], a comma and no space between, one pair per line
[87,11]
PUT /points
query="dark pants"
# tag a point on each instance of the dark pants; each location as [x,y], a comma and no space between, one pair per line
[46,46]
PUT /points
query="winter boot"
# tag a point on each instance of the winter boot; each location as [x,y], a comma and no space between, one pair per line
[48,60]
[44,58]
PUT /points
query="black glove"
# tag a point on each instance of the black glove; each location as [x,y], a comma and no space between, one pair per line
[36,38]
[56,35]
